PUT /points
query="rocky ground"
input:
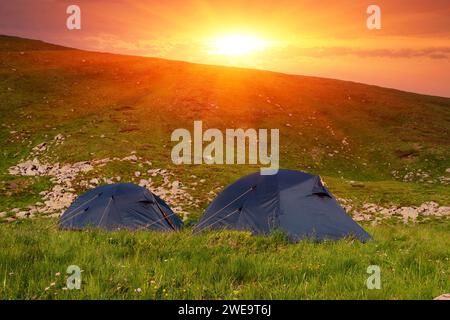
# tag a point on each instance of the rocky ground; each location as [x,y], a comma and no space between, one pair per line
[374,213]
[69,177]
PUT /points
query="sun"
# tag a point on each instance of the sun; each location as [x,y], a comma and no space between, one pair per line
[237,45]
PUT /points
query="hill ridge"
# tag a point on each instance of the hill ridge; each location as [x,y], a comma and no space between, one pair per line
[48,45]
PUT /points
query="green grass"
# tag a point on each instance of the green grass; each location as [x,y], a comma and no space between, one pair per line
[388,193]
[135,103]
[414,262]
[22,191]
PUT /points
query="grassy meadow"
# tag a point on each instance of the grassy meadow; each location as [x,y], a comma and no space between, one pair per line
[369,144]
[414,264]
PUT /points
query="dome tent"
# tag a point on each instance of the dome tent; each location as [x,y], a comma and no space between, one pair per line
[293,201]
[120,206]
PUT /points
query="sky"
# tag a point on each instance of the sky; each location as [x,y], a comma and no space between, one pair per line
[325,38]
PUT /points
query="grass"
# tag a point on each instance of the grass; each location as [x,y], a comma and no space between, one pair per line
[134,104]
[22,191]
[109,105]
[414,262]
[388,193]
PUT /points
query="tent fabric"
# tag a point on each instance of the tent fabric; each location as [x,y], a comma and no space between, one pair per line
[120,206]
[293,201]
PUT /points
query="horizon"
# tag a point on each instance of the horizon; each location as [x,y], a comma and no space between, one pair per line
[225,66]
[410,52]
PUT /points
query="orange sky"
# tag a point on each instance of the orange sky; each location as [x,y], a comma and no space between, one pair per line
[322,38]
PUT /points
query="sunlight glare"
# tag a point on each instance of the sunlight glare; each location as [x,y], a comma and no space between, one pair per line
[237,45]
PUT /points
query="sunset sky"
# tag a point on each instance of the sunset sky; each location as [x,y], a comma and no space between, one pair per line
[321,38]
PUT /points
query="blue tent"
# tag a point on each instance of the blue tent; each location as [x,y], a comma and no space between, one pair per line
[295,202]
[120,206]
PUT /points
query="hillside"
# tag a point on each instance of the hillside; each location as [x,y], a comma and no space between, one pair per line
[370,144]
[71,120]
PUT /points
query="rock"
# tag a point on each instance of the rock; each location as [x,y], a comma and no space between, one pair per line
[137,174]
[22,214]
[175,185]
[144,183]
[357,216]
[445,296]
[130,158]
[40,147]
[443,211]
[386,212]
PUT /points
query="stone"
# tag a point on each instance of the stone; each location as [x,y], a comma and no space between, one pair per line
[130,158]
[445,296]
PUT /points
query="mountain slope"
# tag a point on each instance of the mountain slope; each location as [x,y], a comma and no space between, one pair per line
[395,143]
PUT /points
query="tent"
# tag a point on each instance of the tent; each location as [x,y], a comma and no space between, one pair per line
[295,202]
[120,206]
